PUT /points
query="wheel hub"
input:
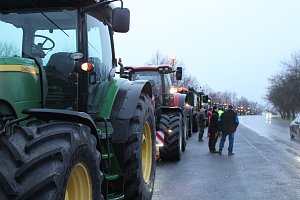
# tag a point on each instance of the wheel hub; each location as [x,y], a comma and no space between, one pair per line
[79,184]
[147,152]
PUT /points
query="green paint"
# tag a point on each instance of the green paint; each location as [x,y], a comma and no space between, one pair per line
[16,61]
[102,100]
[18,88]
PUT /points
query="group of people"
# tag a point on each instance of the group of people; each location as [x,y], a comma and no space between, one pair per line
[219,123]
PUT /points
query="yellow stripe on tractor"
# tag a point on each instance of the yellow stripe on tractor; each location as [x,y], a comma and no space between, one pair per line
[19,68]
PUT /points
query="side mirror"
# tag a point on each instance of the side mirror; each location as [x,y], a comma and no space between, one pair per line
[121,20]
[179,73]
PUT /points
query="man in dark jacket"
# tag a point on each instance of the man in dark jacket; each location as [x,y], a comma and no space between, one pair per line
[213,130]
[229,122]
[201,123]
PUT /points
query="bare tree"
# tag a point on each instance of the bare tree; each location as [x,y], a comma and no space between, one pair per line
[284,90]
[187,80]
[8,49]
[158,59]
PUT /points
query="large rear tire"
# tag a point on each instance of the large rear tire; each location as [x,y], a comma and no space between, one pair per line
[56,161]
[140,163]
[172,148]
[291,134]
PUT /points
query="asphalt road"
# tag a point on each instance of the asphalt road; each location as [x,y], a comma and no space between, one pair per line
[266,165]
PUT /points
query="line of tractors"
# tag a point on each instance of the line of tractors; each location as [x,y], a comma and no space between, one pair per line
[70,129]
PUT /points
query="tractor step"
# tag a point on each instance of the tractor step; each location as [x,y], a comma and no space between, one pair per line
[111,177]
[105,156]
[115,197]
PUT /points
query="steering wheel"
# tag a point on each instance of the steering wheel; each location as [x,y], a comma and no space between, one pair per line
[41,45]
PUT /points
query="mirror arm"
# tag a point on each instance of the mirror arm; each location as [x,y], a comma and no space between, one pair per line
[91,7]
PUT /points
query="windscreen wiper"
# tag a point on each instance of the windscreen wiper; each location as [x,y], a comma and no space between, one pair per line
[48,18]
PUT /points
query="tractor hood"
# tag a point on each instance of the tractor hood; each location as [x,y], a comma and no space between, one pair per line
[15,64]
[16,61]
[20,84]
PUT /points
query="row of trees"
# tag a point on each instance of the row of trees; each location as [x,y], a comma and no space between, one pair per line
[225,98]
[216,97]
[284,89]
[187,80]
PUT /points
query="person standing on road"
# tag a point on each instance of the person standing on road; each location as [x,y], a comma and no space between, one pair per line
[209,113]
[229,121]
[220,112]
[201,123]
[213,130]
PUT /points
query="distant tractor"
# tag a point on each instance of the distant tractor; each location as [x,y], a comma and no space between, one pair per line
[191,106]
[194,101]
[170,110]
[68,128]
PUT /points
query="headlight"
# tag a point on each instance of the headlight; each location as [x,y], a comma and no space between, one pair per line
[173,90]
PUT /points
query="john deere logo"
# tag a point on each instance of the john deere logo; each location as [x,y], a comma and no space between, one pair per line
[19,68]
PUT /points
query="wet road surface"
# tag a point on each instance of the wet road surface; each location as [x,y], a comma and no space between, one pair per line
[266,166]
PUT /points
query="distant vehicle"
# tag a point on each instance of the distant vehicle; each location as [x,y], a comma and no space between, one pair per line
[268,115]
[295,127]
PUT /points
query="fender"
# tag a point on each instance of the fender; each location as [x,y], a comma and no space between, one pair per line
[166,109]
[7,112]
[124,107]
[6,108]
[64,115]
[181,100]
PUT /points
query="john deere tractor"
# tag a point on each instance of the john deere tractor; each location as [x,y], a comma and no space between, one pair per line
[68,128]
[170,111]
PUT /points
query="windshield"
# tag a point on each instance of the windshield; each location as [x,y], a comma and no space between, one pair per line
[38,35]
[147,75]
[153,76]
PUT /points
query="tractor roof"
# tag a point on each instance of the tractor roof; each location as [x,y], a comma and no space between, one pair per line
[165,68]
[23,4]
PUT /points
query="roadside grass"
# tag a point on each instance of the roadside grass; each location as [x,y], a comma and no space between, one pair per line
[278,117]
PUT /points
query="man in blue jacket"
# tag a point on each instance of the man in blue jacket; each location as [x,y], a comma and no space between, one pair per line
[228,123]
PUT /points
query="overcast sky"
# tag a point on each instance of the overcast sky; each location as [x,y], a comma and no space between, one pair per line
[229,45]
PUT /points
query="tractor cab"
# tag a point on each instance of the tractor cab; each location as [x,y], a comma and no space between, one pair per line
[160,79]
[57,40]
[63,114]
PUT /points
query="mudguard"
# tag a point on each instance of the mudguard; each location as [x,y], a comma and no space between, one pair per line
[124,107]
[64,115]
[181,100]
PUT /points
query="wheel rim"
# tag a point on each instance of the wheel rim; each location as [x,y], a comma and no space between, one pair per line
[147,152]
[79,184]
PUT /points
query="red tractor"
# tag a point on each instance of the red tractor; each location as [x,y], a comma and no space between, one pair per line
[170,111]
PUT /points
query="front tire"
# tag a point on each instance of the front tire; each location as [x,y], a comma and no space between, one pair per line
[172,149]
[53,161]
[292,135]
[140,163]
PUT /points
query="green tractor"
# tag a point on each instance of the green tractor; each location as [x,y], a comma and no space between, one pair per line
[69,129]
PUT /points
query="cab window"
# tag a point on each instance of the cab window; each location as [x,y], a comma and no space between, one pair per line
[99,48]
